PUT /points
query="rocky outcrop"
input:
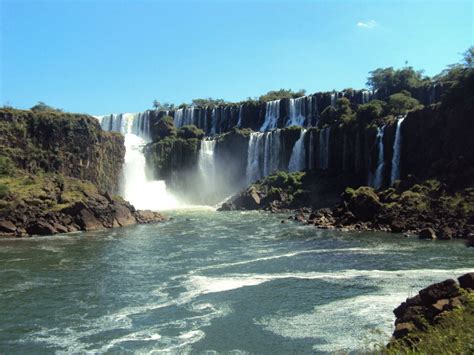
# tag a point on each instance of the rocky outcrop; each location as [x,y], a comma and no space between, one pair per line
[430,209]
[61,205]
[430,305]
[283,191]
[73,145]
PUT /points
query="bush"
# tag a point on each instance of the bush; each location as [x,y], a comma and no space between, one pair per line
[402,102]
[4,191]
[190,131]
[370,111]
[6,166]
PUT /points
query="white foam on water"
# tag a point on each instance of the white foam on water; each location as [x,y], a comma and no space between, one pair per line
[356,323]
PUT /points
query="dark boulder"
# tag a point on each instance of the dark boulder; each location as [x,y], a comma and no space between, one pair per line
[41,227]
[446,289]
[7,227]
[467,281]
[427,233]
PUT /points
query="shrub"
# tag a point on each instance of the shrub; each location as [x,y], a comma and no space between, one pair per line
[6,166]
[190,131]
[4,191]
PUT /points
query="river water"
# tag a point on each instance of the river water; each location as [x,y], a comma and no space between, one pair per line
[239,282]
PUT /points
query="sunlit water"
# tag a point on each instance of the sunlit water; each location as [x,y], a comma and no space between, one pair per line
[209,281]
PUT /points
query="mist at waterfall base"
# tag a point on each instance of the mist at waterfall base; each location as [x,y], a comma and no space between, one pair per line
[137,189]
[208,281]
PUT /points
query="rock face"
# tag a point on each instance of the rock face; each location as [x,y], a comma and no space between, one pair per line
[71,144]
[426,308]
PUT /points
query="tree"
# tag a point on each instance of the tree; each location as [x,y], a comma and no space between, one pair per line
[370,111]
[389,81]
[209,102]
[42,107]
[402,102]
[162,107]
[282,94]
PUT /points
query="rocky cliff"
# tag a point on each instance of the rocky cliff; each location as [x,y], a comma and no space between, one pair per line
[71,144]
[57,173]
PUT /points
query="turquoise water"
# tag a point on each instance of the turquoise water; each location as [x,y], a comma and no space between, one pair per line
[213,282]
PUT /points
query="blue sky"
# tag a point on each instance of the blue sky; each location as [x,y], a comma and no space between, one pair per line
[118,56]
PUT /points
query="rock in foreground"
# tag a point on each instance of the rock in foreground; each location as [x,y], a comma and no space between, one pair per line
[440,315]
[51,204]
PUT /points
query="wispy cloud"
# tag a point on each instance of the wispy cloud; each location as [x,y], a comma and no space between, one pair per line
[367,24]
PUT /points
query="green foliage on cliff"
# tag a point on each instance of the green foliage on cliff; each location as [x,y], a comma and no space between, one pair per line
[281,94]
[54,141]
[6,166]
[209,102]
[452,335]
[341,113]
[402,102]
[42,107]
[389,81]
[190,131]
[370,111]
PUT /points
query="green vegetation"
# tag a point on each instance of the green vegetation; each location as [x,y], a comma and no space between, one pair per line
[341,113]
[42,107]
[402,102]
[389,81]
[190,131]
[6,166]
[370,111]
[452,335]
[281,94]
[209,102]
[166,106]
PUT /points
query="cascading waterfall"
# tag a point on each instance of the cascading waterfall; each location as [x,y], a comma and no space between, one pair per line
[376,180]
[263,156]
[254,172]
[395,174]
[366,96]
[333,99]
[324,148]
[207,167]
[310,151]
[298,156]
[239,122]
[137,189]
[297,110]
[271,159]
[272,114]
[213,121]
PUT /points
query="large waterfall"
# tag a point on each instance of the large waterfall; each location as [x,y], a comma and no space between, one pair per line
[136,187]
[298,156]
[376,180]
[272,114]
[207,169]
[395,175]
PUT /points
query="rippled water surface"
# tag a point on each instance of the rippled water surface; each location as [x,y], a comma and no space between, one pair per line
[209,281]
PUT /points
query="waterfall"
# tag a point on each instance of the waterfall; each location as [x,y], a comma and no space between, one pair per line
[324,147]
[310,151]
[254,171]
[213,121]
[333,99]
[366,95]
[207,168]
[376,181]
[272,114]
[298,156]
[136,188]
[395,175]
[297,108]
[239,122]
[272,152]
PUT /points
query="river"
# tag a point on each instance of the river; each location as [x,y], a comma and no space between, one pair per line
[206,281]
